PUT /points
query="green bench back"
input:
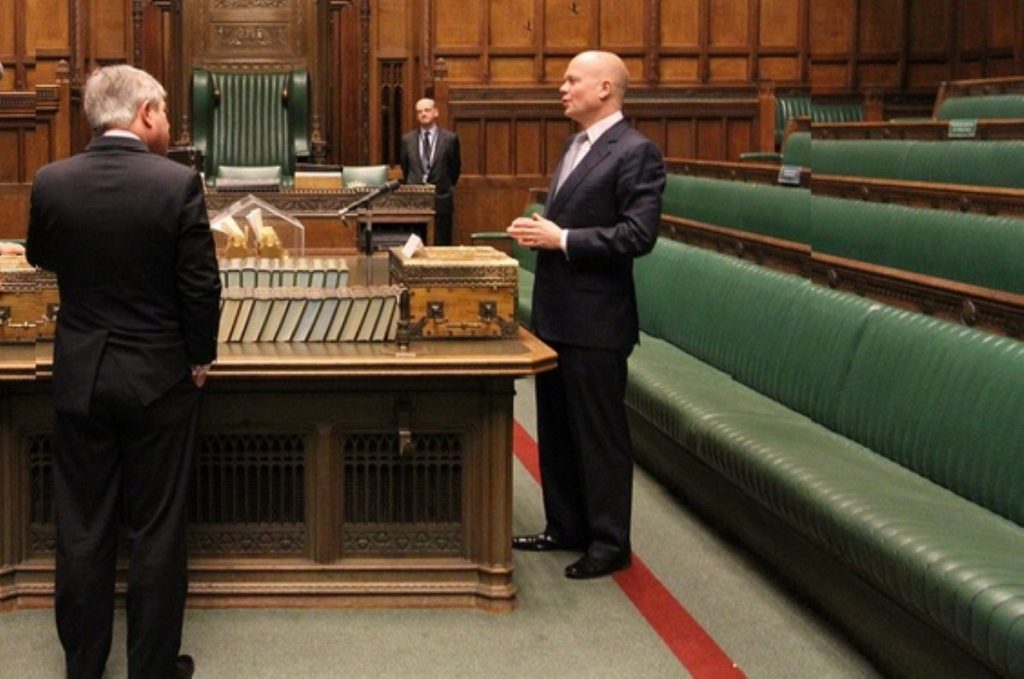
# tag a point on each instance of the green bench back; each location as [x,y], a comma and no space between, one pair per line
[942,400]
[965,247]
[778,211]
[986,163]
[802,105]
[937,398]
[985,106]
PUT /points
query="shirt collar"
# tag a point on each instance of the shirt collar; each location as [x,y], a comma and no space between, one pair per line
[595,131]
[127,134]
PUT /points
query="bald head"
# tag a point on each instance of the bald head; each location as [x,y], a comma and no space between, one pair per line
[594,86]
[426,112]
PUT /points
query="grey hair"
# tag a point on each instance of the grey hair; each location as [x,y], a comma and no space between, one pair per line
[113,95]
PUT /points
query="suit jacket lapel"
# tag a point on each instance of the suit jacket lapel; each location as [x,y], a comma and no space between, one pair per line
[597,153]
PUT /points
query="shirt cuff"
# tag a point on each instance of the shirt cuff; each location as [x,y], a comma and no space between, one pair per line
[565,242]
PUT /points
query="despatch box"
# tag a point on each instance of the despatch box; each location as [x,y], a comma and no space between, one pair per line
[29,301]
[458,291]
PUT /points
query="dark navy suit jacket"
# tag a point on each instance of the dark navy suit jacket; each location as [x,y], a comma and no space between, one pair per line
[611,205]
[445,168]
[127,234]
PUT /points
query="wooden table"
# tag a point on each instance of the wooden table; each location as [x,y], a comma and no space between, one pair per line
[327,475]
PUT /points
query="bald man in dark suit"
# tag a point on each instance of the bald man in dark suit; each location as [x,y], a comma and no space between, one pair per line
[430,154]
[125,229]
[603,210]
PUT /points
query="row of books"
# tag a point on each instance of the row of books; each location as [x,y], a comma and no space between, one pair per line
[262,314]
[293,272]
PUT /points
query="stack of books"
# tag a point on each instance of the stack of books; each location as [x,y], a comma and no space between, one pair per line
[295,272]
[309,314]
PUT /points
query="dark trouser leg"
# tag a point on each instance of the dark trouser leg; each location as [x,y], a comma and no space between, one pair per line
[86,474]
[595,389]
[158,457]
[443,228]
[564,504]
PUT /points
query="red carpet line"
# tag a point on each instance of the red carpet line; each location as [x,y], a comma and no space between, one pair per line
[695,649]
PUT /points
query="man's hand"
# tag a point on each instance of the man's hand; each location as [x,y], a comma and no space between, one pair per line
[199,373]
[536,232]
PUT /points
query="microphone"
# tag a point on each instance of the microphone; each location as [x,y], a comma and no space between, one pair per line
[371,196]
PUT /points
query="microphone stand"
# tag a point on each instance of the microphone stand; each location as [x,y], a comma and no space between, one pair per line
[364,240]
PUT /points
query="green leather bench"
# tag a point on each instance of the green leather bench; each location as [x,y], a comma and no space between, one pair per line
[966,247]
[874,455]
[980,107]
[817,109]
[984,163]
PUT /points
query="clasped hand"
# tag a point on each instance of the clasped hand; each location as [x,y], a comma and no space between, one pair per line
[536,232]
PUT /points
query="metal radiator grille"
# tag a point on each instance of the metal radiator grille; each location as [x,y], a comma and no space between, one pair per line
[397,502]
[249,494]
[42,522]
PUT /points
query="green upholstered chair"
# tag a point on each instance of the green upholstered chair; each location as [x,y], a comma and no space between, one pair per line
[364,175]
[251,120]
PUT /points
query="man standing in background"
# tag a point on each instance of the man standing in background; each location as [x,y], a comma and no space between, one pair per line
[126,231]
[603,210]
[431,155]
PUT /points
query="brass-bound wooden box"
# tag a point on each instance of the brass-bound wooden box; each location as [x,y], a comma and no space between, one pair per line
[458,291]
[28,302]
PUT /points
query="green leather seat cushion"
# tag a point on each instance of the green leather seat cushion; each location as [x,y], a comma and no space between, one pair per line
[891,439]
[948,558]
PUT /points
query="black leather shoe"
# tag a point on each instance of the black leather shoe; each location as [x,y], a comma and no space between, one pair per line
[589,567]
[541,542]
[184,667]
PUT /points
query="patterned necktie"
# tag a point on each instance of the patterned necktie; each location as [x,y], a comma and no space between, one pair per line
[425,155]
[571,156]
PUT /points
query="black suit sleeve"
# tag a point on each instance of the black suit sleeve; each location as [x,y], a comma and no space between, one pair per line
[39,247]
[639,183]
[454,160]
[403,158]
[198,279]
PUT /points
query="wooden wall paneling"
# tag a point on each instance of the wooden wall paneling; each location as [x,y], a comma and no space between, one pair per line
[111,31]
[10,159]
[349,127]
[739,138]
[879,43]
[929,42]
[711,138]
[679,41]
[681,136]
[10,19]
[569,25]
[14,202]
[730,41]
[471,145]
[498,147]
[1002,25]
[832,29]
[528,147]
[778,33]
[622,26]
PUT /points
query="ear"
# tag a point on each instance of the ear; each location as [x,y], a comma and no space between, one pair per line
[145,113]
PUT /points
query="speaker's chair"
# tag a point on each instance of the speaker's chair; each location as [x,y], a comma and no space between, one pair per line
[256,121]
